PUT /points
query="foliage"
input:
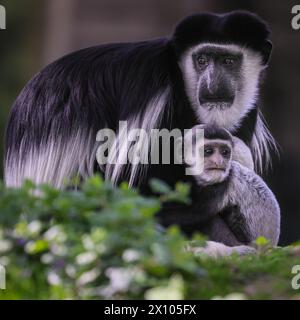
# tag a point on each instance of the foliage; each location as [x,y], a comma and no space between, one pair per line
[103,242]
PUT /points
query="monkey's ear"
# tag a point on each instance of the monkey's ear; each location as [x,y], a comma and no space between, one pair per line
[266,51]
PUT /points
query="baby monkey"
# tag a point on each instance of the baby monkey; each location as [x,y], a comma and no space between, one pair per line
[233,204]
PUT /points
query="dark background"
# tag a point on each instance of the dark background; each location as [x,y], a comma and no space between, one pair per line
[39,31]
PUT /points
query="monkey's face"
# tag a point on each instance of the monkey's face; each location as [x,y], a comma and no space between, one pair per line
[219,73]
[217,159]
[221,82]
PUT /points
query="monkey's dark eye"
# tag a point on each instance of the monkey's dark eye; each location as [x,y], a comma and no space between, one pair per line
[208,152]
[229,61]
[225,153]
[202,60]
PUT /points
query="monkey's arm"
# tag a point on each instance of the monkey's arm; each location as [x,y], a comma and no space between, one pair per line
[236,222]
[218,230]
[190,218]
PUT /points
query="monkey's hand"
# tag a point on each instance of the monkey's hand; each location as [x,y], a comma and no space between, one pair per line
[242,153]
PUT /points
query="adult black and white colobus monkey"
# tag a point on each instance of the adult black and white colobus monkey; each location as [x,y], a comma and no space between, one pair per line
[235,206]
[207,72]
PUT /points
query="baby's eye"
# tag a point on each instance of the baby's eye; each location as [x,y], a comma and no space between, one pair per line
[208,152]
[225,153]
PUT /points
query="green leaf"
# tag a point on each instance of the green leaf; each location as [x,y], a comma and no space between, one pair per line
[261,241]
[159,187]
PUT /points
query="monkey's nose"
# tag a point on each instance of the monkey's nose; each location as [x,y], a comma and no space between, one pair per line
[216,164]
[219,94]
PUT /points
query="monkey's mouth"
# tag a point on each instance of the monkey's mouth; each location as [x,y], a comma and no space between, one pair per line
[216,102]
[220,105]
[215,169]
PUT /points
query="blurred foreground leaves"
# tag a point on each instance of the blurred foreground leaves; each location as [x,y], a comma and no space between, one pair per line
[103,242]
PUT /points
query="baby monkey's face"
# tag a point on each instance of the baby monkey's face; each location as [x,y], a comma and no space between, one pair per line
[217,159]
[208,154]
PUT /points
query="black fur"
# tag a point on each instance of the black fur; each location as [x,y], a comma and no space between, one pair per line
[214,132]
[247,127]
[89,89]
[203,208]
[99,86]
[237,27]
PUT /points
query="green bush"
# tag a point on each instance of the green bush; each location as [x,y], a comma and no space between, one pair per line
[103,242]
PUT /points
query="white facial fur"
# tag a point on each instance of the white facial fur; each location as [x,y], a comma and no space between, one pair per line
[244,99]
[210,175]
